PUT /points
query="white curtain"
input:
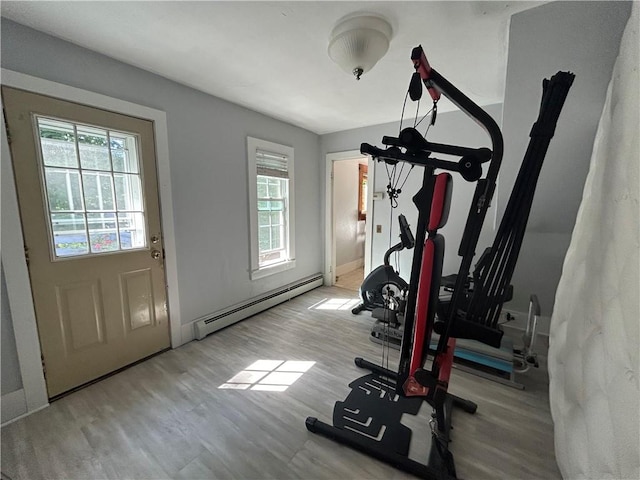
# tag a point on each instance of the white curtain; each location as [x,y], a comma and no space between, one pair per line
[595,328]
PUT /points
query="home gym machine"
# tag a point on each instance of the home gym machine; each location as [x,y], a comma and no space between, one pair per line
[369,419]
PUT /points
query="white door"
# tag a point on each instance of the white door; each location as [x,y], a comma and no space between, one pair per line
[88,198]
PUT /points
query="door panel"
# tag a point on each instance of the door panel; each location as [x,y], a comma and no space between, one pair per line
[137,299]
[88,199]
[80,314]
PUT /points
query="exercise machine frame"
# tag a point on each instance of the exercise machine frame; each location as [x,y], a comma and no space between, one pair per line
[369,419]
[398,387]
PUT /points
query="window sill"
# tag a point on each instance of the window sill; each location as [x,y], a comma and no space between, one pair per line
[272,269]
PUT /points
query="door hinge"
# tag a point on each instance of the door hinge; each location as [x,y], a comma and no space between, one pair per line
[44,366]
[6,126]
[26,254]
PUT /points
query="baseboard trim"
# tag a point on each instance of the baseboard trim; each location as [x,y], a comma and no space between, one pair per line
[228,316]
[188,332]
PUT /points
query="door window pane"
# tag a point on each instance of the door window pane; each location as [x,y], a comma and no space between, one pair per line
[98,191]
[96,203]
[57,140]
[103,232]
[69,234]
[128,192]
[124,154]
[63,189]
[94,148]
[131,226]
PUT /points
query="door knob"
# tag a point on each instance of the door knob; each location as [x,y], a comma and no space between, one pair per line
[155,239]
[155,254]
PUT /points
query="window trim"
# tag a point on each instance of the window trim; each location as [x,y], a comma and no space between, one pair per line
[254,144]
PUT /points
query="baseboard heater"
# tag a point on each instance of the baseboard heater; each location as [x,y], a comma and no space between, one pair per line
[242,310]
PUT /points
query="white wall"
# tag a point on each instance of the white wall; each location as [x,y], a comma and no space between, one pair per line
[348,230]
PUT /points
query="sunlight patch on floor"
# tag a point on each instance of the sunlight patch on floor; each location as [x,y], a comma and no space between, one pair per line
[268,375]
[335,304]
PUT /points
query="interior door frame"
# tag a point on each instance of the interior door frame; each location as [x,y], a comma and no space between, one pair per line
[329,222]
[16,273]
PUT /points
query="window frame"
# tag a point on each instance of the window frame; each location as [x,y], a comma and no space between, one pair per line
[255,270]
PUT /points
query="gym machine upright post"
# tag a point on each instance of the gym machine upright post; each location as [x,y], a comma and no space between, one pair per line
[369,418]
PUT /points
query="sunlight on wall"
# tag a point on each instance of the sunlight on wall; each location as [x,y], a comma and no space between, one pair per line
[268,375]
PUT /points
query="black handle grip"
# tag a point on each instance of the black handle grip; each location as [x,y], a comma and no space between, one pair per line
[406,236]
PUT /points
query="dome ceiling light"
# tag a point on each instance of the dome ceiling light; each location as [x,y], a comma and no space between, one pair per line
[358,43]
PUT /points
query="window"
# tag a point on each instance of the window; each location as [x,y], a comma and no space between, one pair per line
[271,207]
[93,188]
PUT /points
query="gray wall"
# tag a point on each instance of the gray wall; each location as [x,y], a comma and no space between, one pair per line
[11,379]
[584,38]
[207,146]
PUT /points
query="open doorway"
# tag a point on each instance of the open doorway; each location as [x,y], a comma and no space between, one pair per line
[348,232]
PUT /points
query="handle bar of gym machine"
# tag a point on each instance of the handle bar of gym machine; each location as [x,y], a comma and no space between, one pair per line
[468,166]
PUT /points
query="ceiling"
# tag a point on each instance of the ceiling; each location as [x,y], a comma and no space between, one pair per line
[272,56]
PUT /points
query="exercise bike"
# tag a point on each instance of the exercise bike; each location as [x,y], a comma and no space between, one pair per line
[384,291]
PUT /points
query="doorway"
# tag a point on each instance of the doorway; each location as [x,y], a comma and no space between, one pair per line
[88,200]
[348,208]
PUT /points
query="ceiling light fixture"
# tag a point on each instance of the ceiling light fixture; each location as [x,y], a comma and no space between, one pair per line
[358,43]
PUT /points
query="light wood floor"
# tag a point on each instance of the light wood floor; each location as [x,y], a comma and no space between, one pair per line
[167,417]
[351,280]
